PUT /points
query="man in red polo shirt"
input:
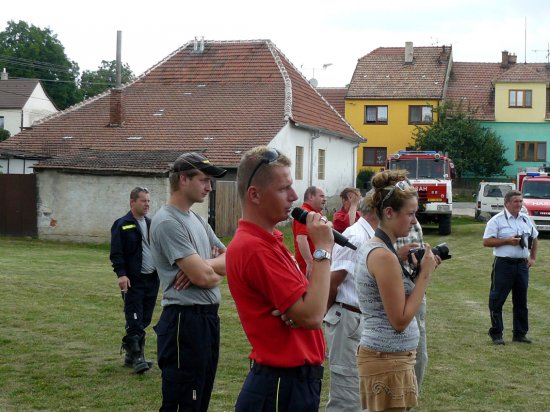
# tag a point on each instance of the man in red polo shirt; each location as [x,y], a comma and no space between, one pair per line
[314,201]
[287,351]
[348,214]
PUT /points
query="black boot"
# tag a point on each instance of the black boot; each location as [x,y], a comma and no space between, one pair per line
[128,361]
[132,346]
[142,347]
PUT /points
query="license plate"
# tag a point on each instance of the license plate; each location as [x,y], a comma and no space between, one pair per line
[543,227]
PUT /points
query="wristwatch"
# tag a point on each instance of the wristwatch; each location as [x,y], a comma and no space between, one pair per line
[320,255]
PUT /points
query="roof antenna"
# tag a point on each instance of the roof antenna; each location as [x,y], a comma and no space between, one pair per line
[547,51]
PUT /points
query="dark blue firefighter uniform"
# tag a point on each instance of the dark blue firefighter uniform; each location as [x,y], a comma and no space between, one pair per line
[188,342]
[126,257]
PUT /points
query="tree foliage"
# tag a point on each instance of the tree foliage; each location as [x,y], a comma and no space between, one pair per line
[27,51]
[4,134]
[96,82]
[474,149]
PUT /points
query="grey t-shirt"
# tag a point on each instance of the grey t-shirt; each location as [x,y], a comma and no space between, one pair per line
[147,265]
[176,235]
[378,334]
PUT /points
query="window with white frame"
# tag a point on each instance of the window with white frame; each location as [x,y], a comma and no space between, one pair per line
[299,173]
[321,165]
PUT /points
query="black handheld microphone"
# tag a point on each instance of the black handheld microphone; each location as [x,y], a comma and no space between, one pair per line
[301,216]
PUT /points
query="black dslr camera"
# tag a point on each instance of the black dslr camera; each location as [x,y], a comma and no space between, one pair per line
[441,250]
[525,241]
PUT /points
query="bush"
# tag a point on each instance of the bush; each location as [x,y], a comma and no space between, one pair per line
[4,134]
[363,179]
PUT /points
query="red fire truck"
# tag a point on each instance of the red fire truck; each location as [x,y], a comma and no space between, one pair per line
[534,184]
[431,173]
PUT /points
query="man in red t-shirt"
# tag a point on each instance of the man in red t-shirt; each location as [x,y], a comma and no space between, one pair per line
[348,214]
[265,282]
[314,201]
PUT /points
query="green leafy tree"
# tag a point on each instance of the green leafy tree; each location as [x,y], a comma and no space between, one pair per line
[363,179]
[27,51]
[96,82]
[474,149]
[4,134]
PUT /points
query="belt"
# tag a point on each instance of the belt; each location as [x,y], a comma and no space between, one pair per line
[349,307]
[154,272]
[512,260]
[194,308]
[301,372]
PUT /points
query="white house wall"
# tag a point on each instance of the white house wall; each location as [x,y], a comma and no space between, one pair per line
[339,159]
[82,208]
[12,120]
[37,107]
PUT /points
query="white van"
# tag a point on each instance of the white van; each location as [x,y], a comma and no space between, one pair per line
[490,197]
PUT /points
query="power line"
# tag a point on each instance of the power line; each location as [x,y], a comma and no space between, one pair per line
[33,63]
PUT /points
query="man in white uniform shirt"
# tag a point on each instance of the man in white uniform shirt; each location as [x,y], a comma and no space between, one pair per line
[513,238]
[343,319]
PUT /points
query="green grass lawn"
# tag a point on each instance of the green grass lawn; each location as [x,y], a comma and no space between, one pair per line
[62,321]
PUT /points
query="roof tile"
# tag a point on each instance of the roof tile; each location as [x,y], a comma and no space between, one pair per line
[232,97]
[383,74]
[14,93]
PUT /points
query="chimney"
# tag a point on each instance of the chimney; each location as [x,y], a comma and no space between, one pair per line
[408,52]
[4,75]
[512,59]
[505,61]
[198,45]
[116,112]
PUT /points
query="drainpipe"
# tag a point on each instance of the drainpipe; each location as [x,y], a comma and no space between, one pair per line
[354,170]
[314,135]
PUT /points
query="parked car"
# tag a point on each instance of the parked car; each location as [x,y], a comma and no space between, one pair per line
[490,197]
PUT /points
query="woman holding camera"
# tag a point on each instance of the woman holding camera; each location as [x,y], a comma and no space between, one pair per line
[387,351]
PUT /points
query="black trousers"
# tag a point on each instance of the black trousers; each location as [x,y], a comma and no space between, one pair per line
[139,302]
[509,275]
[268,389]
[188,345]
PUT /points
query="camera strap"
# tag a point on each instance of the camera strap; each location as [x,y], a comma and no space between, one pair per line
[379,233]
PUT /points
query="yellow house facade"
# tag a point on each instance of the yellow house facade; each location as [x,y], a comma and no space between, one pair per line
[520,102]
[393,90]
[389,135]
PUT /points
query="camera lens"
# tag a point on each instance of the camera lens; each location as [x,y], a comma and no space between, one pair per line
[442,251]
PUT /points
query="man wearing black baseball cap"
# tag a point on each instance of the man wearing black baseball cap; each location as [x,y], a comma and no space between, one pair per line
[194,160]
[190,261]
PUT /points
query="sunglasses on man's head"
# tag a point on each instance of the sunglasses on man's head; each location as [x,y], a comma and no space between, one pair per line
[402,185]
[268,157]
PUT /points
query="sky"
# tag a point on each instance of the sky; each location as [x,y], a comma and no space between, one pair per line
[323,39]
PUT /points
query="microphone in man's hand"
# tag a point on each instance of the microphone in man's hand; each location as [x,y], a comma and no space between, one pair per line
[301,216]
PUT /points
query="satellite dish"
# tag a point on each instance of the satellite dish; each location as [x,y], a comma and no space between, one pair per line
[313,82]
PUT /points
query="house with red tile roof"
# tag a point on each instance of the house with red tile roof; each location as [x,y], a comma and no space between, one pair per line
[336,97]
[393,90]
[22,102]
[512,99]
[218,97]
